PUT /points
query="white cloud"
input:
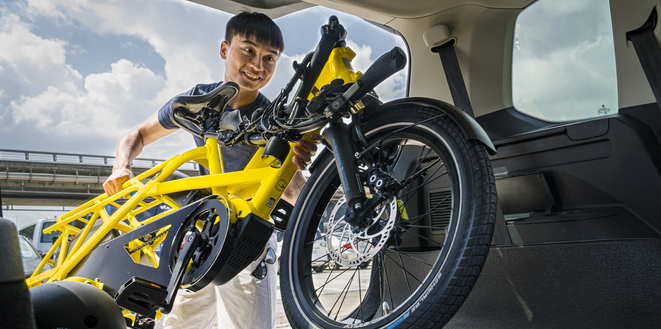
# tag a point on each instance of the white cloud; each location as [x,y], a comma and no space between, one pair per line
[391,88]
[110,103]
[20,45]
[45,94]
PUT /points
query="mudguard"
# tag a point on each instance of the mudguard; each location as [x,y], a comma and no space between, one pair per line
[470,127]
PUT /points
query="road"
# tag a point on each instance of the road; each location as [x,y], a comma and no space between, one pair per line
[333,291]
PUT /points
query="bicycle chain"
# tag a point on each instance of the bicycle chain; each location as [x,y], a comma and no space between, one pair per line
[150,241]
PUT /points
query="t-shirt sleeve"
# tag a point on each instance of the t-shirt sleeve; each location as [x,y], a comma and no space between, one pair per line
[164,113]
[164,116]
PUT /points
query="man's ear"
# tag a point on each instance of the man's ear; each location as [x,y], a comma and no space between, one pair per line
[223,49]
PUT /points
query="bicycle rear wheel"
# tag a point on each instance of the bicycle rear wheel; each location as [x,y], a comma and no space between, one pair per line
[425,247]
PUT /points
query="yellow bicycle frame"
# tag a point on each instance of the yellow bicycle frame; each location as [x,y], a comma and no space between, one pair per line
[256,189]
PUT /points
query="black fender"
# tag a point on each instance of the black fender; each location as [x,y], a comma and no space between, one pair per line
[470,127]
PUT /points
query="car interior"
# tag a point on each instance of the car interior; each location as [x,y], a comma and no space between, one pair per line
[576,242]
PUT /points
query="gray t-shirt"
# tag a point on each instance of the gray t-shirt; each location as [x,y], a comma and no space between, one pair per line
[234,157]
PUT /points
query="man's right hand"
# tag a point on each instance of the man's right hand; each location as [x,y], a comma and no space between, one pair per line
[114,182]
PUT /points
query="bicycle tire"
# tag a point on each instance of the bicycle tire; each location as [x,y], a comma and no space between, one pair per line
[453,265]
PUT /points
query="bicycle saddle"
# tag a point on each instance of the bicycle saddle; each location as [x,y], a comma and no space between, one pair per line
[216,99]
[190,108]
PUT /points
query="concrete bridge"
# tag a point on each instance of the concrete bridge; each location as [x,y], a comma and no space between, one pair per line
[60,179]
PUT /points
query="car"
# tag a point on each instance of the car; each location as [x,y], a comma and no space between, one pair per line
[561,90]
[30,257]
[319,256]
[348,251]
[34,233]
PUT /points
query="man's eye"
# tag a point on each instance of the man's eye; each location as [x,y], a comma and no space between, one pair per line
[248,50]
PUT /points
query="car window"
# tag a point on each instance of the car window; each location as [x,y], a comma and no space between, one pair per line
[563,64]
[27,252]
[27,232]
[48,238]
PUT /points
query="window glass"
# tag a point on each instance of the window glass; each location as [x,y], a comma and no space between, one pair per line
[27,251]
[48,238]
[28,232]
[563,65]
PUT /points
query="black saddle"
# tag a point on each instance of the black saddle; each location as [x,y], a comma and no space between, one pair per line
[193,109]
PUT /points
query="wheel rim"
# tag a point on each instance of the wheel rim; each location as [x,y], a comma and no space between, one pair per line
[400,271]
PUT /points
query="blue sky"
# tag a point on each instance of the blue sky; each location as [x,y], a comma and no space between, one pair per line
[76,74]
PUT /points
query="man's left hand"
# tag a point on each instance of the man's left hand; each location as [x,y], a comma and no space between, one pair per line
[305,150]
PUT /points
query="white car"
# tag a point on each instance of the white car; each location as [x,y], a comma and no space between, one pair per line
[339,242]
[319,259]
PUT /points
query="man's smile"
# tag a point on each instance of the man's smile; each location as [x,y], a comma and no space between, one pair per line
[251,76]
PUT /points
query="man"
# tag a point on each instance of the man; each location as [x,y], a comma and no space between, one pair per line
[251,48]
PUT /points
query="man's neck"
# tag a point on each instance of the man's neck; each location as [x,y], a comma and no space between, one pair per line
[244,98]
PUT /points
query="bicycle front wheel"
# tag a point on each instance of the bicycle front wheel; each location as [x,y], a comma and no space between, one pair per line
[416,262]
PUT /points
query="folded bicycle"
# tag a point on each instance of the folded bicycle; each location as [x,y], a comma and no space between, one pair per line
[405,187]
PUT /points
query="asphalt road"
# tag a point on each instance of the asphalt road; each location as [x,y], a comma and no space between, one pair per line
[335,285]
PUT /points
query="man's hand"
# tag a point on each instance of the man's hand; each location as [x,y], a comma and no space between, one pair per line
[114,182]
[305,150]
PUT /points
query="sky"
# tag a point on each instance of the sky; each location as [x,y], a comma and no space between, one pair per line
[563,65]
[77,74]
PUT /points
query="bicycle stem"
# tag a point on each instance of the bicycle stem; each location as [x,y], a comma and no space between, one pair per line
[330,35]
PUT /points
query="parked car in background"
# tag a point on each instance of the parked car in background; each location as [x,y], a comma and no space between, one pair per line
[319,254]
[29,256]
[34,233]
[343,243]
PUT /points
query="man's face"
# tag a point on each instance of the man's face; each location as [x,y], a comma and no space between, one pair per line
[249,63]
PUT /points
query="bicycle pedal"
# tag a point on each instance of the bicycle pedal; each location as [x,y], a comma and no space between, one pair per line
[141,296]
[280,214]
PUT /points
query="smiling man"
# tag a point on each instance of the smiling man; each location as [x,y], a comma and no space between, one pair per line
[251,48]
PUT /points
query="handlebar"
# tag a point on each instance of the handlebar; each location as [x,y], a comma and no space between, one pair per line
[387,65]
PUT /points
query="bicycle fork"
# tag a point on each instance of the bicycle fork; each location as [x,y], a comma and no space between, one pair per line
[338,137]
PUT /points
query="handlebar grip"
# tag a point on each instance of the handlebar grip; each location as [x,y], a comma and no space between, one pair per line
[387,65]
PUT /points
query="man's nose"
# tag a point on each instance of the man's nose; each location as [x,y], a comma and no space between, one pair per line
[257,63]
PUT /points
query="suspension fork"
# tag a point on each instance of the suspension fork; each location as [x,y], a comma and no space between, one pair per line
[338,136]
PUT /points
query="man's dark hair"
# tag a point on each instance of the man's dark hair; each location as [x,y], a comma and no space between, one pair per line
[258,25]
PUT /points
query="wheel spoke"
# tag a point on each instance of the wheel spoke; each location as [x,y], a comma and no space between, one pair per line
[345,291]
[421,216]
[385,274]
[408,284]
[416,259]
[403,269]
[360,297]
[425,182]
[421,236]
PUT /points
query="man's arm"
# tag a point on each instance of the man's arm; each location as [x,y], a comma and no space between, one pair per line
[304,151]
[294,188]
[129,147]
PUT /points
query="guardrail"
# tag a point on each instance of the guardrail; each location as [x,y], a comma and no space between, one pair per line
[86,159]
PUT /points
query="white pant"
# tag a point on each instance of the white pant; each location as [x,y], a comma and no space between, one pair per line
[242,303]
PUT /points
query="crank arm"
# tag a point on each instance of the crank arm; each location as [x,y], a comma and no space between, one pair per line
[194,240]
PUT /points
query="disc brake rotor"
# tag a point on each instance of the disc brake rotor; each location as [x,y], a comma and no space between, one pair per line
[349,247]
